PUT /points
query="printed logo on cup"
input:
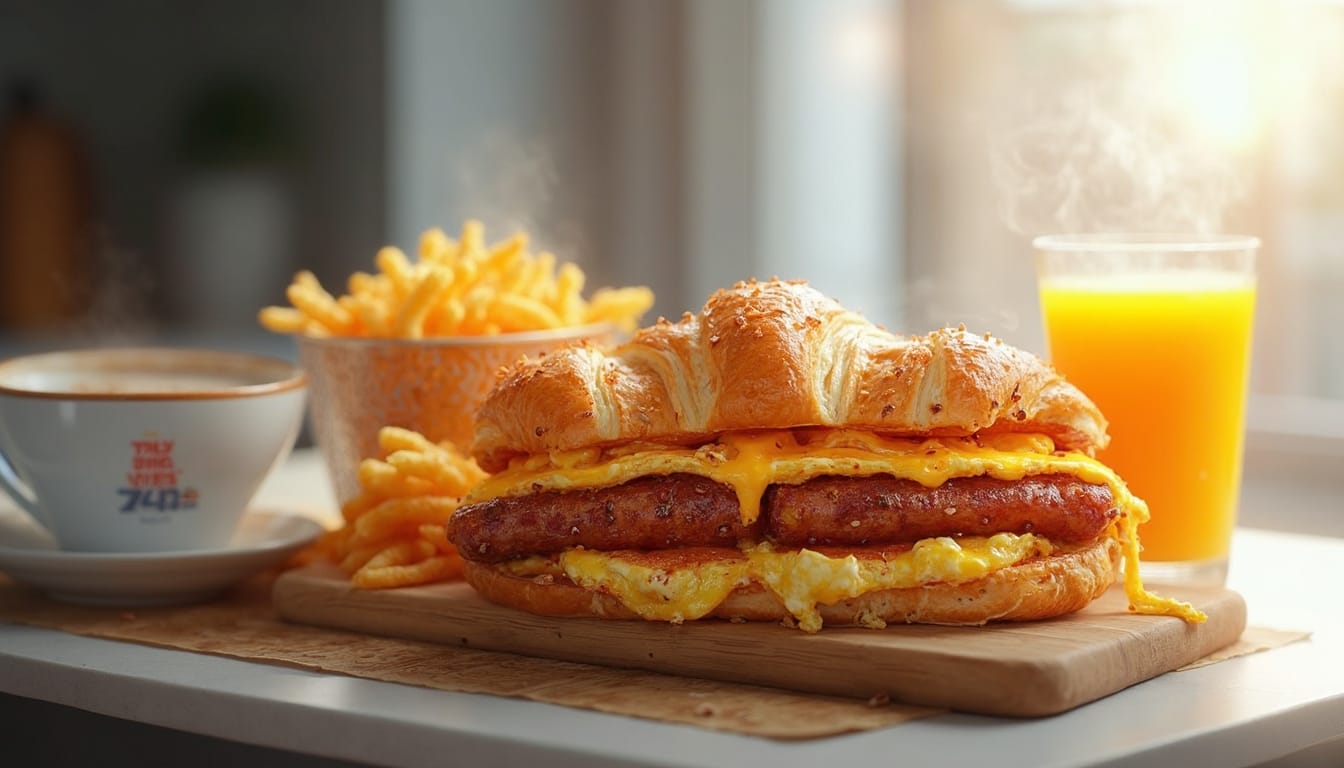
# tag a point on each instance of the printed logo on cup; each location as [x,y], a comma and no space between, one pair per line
[152,487]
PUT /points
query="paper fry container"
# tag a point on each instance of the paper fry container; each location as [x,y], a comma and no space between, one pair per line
[433,386]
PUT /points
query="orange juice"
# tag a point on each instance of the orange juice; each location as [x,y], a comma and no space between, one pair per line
[1166,358]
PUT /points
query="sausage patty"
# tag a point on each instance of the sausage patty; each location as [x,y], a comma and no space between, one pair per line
[883,509]
[653,512]
[683,510]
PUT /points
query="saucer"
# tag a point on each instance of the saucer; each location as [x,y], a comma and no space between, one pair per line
[138,579]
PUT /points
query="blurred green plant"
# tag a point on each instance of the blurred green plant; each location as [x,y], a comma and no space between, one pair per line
[236,122]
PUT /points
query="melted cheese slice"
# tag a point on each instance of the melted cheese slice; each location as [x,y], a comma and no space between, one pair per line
[750,462]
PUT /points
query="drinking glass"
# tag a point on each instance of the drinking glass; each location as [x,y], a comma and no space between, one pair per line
[1156,329]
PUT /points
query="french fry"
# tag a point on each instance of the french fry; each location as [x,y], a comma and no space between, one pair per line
[443,475]
[373,315]
[514,312]
[438,536]
[357,557]
[392,439]
[506,252]
[461,287]
[472,242]
[395,514]
[569,299]
[316,329]
[309,297]
[440,568]
[360,504]
[395,532]
[307,279]
[453,313]
[384,479]
[396,268]
[400,553]
[465,276]
[283,319]
[542,287]
[615,305]
[434,245]
[410,322]
[361,283]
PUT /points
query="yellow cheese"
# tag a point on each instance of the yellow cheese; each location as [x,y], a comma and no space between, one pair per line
[801,579]
[1140,599]
[750,462]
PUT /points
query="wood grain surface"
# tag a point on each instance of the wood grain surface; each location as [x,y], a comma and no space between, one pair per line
[1016,669]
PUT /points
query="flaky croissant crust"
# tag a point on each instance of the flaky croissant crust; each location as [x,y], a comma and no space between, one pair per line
[777,355]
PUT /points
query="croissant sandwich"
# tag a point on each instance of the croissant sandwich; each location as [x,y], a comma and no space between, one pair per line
[777,457]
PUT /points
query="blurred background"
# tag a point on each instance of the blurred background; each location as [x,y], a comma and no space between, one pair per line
[165,167]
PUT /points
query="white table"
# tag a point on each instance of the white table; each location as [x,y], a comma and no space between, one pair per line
[1244,711]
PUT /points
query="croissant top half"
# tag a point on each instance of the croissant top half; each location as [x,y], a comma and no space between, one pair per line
[777,355]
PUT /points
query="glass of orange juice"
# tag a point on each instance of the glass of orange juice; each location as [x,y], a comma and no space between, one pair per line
[1156,329]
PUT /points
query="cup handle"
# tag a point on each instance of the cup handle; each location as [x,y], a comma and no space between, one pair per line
[9,480]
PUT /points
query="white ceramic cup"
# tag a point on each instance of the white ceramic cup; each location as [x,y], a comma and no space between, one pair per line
[144,450]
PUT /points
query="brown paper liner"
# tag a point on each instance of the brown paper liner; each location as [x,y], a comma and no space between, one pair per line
[243,625]
[1253,640]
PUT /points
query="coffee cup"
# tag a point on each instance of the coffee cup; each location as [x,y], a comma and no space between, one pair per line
[144,450]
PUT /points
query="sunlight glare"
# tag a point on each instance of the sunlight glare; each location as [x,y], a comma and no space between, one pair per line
[1214,82]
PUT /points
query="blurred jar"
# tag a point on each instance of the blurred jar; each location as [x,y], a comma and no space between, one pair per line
[45,213]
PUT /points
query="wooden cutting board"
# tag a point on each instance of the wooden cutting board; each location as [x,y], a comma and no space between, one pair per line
[1021,669]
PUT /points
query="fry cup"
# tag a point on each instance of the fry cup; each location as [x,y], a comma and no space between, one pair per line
[432,386]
